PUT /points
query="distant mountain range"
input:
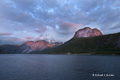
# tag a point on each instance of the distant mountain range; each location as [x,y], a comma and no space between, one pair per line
[8,48]
[29,47]
[85,40]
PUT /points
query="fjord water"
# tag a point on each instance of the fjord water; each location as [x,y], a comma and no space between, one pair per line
[58,67]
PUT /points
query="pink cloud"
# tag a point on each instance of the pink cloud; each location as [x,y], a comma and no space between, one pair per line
[14,39]
[70,25]
[29,37]
[43,29]
[5,34]
[38,31]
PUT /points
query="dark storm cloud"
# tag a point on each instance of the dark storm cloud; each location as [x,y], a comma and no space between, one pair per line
[57,18]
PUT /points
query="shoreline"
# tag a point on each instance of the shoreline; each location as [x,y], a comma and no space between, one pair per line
[82,54]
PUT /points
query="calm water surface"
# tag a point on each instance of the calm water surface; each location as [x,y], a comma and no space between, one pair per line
[58,67]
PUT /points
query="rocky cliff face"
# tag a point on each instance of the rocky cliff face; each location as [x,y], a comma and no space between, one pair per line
[31,46]
[87,32]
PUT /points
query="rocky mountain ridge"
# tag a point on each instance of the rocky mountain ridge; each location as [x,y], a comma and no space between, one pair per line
[31,46]
[87,32]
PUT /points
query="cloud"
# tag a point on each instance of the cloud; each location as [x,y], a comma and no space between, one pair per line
[68,28]
[29,37]
[38,31]
[2,34]
[70,25]
[10,40]
[57,19]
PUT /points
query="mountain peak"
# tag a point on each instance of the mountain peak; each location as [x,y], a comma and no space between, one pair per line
[87,28]
[87,32]
[31,46]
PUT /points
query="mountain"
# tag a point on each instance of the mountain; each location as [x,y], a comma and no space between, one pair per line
[30,46]
[87,32]
[57,43]
[85,40]
[8,48]
[86,43]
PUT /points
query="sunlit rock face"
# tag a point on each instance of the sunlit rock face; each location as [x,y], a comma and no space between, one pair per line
[87,32]
[31,46]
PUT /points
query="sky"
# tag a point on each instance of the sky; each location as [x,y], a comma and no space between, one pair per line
[57,20]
